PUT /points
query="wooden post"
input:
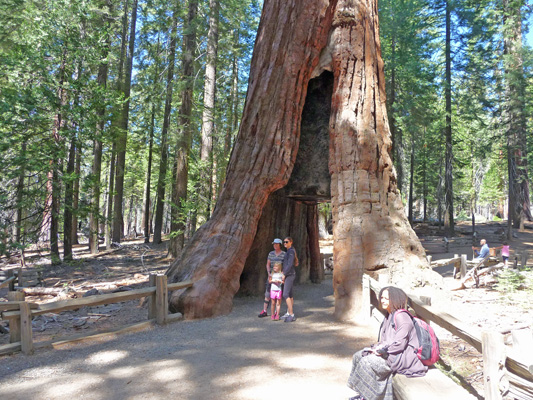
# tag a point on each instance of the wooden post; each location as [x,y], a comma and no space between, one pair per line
[456,265]
[366,308]
[493,363]
[463,265]
[523,260]
[26,329]
[14,323]
[161,299]
[429,258]
[515,264]
[20,280]
[151,299]
[446,244]
[9,274]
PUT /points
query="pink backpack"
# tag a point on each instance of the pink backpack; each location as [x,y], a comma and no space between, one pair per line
[429,350]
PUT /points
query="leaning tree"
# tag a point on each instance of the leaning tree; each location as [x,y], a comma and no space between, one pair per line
[300,43]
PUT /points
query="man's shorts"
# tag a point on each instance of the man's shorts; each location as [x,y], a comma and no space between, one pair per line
[275,294]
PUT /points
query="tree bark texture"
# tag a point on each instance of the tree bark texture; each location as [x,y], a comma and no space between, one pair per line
[163,164]
[208,115]
[180,172]
[97,163]
[122,139]
[448,170]
[146,213]
[281,217]
[519,203]
[297,41]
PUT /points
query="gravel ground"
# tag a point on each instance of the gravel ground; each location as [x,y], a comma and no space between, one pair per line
[237,356]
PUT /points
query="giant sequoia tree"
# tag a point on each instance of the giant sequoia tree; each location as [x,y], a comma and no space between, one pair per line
[298,41]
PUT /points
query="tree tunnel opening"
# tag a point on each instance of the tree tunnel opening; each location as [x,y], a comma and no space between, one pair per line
[292,210]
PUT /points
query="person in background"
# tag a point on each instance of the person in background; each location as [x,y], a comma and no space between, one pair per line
[483,252]
[276,255]
[373,367]
[505,252]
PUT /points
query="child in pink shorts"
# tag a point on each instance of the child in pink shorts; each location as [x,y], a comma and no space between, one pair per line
[276,280]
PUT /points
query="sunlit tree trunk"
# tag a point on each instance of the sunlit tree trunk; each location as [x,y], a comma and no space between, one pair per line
[122,138]
[163,163]
[515,120]
[180,172]
[448,170]
[208,115]
[297,41]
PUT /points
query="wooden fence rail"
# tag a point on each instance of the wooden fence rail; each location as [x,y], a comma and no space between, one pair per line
[504,370]
[20,313]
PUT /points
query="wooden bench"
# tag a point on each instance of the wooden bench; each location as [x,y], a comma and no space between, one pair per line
[434,386]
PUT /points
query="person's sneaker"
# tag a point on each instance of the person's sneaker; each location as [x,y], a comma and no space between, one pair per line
[290,318]
[276,317]
[273,317]
[285,316]
[263,314]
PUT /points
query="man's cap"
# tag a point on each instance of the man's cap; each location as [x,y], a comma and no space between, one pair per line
[277,241]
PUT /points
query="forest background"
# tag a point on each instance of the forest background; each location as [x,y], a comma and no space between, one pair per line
[117,118]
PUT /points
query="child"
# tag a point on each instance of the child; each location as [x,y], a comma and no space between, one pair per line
[276,280]
[505,253]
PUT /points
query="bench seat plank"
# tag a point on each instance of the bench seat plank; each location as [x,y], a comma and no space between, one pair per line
[435,386]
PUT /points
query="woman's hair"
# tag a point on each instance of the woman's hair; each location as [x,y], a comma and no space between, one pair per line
[289,238]
[397,297]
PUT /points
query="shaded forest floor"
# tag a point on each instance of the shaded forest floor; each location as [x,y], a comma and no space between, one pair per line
[128,268]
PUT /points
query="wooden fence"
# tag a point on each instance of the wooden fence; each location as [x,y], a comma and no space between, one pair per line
[19,313]
[504,370]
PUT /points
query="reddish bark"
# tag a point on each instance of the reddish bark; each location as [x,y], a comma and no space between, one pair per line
[298,40]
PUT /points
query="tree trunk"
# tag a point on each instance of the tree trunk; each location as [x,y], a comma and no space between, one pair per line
[122,139]
[20,195]
[146,214]
[208,115]
[55,163]
[76,194]
[97,153]
[110,192]
[163,164]
[370,229]
[411,181]
[448,173]
[519,203]
[281,217]
[69,194]
[180,171]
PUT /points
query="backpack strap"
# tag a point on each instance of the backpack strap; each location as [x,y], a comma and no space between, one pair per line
[401,310]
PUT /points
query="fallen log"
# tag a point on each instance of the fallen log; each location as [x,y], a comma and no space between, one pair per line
[41,291]
[475,273]
[444,262]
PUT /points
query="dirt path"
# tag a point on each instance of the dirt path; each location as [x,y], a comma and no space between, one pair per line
[238,356]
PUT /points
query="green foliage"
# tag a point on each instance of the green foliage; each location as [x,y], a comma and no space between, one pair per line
[516,286]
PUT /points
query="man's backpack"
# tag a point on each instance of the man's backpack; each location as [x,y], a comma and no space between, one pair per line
[429,350]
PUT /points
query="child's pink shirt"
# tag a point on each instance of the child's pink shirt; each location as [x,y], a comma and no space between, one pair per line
[505,251]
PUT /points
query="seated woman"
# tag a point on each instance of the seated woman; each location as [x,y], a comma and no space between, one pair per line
[373,367]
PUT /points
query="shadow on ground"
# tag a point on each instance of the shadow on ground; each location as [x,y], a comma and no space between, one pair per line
[237,356]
